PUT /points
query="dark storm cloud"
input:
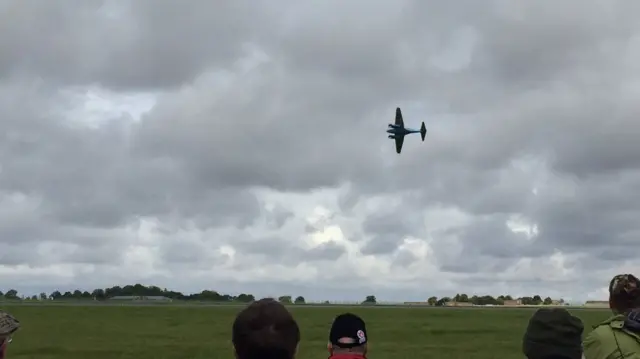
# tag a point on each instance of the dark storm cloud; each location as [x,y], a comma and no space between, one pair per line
[125,45]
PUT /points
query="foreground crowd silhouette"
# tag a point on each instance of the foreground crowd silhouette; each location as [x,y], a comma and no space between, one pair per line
[266,330]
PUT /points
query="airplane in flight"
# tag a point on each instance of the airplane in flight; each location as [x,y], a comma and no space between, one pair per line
[397,131]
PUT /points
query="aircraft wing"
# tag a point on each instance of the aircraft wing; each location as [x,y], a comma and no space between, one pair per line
[399,142]
[399,121]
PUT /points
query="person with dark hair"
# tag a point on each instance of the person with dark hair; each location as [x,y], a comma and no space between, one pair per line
[347,337]
[553,333]
[8,326]
[618,336]
[265,330]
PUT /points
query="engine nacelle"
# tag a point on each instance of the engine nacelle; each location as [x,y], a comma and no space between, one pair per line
[391,125]
[392,137]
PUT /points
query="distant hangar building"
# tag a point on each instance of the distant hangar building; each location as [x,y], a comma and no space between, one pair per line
[512,303]
[597,304]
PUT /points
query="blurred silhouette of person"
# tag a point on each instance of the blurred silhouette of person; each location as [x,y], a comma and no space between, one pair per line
[553,333]
[618,336]
[348,337]
[265,329]
[8,326]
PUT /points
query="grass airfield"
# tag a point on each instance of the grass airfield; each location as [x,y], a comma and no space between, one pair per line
[194,332]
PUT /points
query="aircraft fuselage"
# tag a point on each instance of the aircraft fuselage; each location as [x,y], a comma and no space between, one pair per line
[400,131]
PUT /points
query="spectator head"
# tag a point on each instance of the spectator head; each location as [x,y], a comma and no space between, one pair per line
[348,334]
[265,330]
[553,333]
[8,325]
[624,293]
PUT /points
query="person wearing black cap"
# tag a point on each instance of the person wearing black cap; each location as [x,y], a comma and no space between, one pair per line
[553,333]
[348,337]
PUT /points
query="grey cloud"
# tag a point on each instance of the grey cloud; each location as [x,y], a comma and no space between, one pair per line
[595,215]
[263,153]
[389,229]
[13,254]
[491,236]
[107,252]
[548,43]
[477,263]
[320,223]
[548,87]
[348,200]
[326,251]
[486,246]
[278,216]
[308,228]
[88,177]
[287,251]
[55,244]
[122,45]
[183,254]
[18,225]
[404,258]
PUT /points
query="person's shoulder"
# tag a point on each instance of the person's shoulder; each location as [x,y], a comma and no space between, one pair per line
[609,339]
[600,343]
[602,331]
[607,326]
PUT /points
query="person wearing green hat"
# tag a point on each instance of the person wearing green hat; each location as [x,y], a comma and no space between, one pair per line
[553,333]
[618,336]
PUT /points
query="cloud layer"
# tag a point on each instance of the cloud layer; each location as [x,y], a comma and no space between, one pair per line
[240,146]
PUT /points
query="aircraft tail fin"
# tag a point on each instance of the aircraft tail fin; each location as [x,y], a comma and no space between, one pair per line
[423,131]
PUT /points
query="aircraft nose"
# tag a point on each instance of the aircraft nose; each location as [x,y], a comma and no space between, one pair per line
[390,130]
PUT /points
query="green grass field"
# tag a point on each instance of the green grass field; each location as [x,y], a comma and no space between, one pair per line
[101,332]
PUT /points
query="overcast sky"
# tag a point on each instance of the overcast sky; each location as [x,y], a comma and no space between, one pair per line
[240,146]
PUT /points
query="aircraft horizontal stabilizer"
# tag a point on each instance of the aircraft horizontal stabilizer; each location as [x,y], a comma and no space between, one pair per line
[423,131]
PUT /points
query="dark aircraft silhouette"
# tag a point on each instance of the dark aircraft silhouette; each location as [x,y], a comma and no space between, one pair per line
[398,131]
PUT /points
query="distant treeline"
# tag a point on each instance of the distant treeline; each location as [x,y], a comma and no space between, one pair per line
[139,290]
[490,300]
